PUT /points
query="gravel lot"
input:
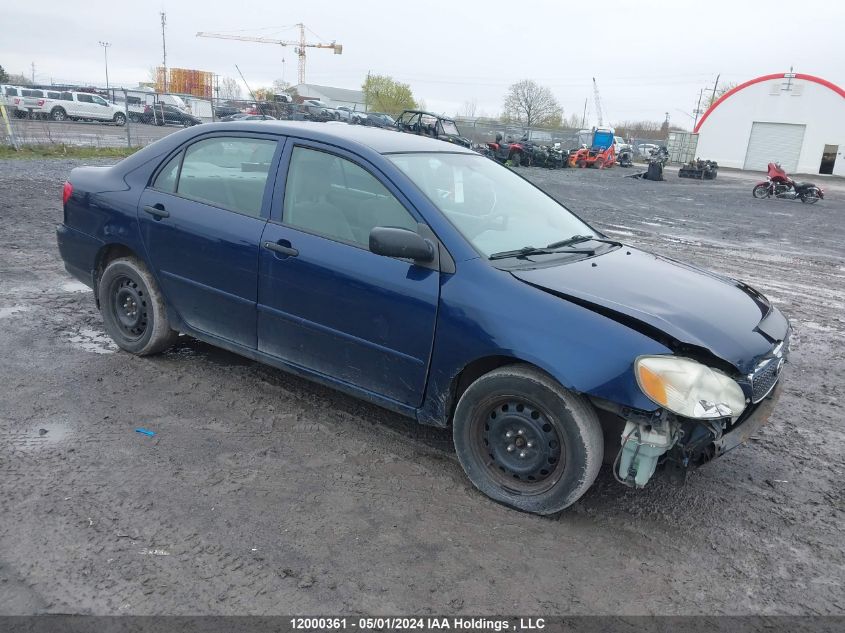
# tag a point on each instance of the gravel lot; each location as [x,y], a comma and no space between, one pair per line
[262,493]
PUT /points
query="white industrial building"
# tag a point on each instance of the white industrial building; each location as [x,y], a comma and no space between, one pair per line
[795,119]
[333,97]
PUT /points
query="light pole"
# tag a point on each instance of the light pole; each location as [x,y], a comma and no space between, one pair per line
[105,46]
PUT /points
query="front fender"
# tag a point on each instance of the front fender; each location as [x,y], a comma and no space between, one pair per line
[485,312]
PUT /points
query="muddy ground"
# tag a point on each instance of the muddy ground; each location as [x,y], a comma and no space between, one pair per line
[262,493]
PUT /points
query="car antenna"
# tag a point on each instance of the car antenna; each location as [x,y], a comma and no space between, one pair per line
[257,102]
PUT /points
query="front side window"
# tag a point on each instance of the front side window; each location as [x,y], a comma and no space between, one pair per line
[100,101]
[493,208]
[227,172]
[448,127]
[331,196]
[85,98]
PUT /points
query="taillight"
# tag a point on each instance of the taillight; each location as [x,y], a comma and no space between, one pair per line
[17,101]
[67,191]
[40,102]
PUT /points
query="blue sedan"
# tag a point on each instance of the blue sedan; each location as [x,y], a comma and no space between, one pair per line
[434,282]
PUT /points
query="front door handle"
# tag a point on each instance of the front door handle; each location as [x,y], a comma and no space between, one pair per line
[282,249]
[158,212]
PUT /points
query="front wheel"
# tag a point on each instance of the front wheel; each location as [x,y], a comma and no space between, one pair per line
[120,118]
[133,308]
[761,191]
[525,441]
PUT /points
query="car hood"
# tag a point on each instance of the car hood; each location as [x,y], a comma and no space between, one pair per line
[666,299]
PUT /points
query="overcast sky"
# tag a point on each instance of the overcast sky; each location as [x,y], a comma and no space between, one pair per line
[648,56]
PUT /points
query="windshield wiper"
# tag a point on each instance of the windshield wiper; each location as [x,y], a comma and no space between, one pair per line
[533,250]
[577,239]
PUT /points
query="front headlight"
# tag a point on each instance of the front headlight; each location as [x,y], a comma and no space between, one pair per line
[689,388]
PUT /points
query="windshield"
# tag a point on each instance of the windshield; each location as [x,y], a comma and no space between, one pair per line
[493,208]
[449,127]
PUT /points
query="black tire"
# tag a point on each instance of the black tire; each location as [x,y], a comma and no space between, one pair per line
[760,191]
[134,117]
[810,197]
[561,440]
[598,163]
[58,114]
[120,119]
[581,163]
[516,159]
[133,309]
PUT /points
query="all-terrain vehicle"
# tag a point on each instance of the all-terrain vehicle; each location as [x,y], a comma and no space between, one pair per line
[433,125]
[701,169]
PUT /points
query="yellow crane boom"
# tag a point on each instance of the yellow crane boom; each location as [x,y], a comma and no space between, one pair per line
[300,45]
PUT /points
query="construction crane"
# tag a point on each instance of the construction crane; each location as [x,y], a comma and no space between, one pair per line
[598,102]
[300,45]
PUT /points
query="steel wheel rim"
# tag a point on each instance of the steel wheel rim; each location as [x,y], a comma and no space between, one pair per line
[129,307]
[519,445]
[760,192]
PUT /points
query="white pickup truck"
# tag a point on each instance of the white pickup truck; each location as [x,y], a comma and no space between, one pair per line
[82,105]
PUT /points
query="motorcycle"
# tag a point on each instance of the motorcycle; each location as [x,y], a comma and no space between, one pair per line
[779,185]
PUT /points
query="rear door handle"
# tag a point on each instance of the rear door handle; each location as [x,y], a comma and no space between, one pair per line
[281,249]
[157,212]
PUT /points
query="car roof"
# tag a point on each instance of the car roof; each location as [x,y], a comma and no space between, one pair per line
[378,140]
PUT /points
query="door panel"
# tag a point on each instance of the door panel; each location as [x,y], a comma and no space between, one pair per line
[204,255]
[332,306]
[347,313]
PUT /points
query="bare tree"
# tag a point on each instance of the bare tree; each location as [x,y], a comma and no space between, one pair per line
[230,88]
[529,103]
[469,108]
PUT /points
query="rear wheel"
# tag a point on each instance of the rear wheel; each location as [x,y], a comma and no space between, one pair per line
[516,159]
[58,114]
[525,441]
[810,197]
[761,191]
[120,118]
[599,163]
[581,162]
[133,308]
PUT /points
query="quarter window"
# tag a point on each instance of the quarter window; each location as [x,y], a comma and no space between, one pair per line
[226,172]
[331,196]
[166,179]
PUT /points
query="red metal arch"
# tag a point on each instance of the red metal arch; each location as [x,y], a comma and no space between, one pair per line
[733,91]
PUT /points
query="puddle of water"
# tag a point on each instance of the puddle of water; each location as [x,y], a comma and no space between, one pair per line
[75,286]
[11,310]
[92,341]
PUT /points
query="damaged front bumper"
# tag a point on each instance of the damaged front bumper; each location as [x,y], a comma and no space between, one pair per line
[678,445]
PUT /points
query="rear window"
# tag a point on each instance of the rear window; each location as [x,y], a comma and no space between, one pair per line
[27,92]
[12,92]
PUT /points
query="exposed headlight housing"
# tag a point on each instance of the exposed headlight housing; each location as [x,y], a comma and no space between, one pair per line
[688,388]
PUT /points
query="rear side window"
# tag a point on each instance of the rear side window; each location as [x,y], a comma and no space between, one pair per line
[85,98]
[227,172]
[67,96]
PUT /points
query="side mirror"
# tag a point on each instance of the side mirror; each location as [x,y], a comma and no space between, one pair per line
[394,242]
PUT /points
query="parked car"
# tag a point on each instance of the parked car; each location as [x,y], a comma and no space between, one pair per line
[85,106]
[380,119]
[234,117]
[411,273]
[222,112]
[164,114]
[318,111]
[349,115]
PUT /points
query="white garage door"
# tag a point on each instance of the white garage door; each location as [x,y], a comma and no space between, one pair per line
[774,143]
